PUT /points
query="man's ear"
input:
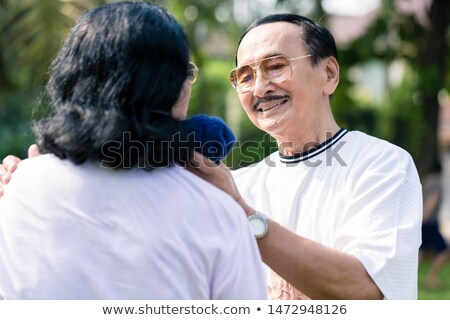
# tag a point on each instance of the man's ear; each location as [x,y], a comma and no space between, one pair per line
[179,110]
[331,68]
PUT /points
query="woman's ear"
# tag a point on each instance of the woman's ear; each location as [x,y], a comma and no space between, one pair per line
[179,110]
[332,75]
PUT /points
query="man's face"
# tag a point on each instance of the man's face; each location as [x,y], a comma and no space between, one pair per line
[282,109]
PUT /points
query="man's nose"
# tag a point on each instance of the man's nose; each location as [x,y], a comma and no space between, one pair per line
[262,85]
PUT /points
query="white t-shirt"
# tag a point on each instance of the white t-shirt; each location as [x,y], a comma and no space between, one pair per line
[84,232]
[354,193]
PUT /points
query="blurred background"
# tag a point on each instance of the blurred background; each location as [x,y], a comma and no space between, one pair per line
[394,57]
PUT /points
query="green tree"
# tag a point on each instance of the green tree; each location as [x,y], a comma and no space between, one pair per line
[30,36]
[409,115]
[31,33]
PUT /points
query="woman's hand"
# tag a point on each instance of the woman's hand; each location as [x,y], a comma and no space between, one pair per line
[10,163]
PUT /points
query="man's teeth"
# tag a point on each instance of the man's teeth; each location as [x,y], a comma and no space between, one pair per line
[275,105]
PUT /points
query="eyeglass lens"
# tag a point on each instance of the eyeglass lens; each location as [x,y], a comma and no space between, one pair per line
[192,72]
[275,69]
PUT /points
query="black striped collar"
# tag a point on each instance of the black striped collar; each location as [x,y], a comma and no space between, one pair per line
[314,151]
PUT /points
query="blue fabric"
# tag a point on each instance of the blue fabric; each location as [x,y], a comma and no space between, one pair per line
[213,138]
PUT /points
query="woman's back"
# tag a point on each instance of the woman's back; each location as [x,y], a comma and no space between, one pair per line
[84,232]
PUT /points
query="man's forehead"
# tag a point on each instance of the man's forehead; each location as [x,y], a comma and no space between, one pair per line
[268,40]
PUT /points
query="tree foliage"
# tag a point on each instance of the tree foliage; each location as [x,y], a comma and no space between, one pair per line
[30,36]
[408,116]
[31,33]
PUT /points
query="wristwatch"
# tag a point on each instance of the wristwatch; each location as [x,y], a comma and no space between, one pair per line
[258,224]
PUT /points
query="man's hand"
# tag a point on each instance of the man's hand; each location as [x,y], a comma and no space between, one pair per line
[10,163]
[218,175]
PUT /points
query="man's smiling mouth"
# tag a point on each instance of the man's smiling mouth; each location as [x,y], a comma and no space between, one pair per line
[267,108]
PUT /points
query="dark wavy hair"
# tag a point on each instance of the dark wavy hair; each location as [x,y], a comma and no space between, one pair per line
[119,73]
[318,41]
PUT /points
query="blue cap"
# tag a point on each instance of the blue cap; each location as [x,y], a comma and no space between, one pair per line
[216,140]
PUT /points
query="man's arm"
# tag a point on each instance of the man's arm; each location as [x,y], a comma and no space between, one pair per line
[318,271]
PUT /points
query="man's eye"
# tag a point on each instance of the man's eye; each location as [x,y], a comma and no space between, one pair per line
[246,78]
[276,67]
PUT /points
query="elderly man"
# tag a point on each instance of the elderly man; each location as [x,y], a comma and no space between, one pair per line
[337,213]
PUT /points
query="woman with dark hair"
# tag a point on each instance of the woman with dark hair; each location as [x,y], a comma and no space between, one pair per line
[83,220]
[120,73]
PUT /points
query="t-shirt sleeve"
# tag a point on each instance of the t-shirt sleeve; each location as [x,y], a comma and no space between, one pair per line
[383,220]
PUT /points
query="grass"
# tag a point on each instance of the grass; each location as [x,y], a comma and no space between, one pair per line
[443,293]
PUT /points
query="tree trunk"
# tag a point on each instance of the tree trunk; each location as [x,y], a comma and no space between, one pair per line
[432,68]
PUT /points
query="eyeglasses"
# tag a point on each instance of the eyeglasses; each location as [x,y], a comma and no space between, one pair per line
[275,69]
[192,72]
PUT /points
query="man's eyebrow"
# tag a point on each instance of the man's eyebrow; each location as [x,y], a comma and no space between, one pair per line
[267,56]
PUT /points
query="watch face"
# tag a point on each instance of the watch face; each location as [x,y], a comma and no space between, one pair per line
[259,226]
